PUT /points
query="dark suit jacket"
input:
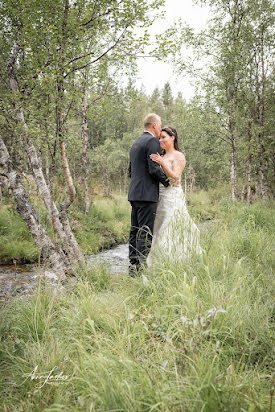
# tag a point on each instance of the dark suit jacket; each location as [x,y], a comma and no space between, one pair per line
[145,174]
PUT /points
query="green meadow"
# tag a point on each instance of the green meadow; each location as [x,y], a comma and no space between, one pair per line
[106,225]
[193,336]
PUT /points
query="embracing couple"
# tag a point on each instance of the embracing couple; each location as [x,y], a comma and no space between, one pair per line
[161,227]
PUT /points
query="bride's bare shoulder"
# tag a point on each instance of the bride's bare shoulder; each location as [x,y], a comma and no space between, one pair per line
[179,157]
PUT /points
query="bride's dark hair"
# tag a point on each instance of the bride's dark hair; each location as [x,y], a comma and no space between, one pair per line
[172,132]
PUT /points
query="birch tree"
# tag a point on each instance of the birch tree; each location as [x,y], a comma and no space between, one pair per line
[51,254]
[45,46]
[235,50]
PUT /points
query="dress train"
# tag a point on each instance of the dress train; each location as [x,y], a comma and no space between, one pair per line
[176,237]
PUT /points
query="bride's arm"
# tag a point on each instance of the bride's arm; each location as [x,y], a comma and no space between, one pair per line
[178,165]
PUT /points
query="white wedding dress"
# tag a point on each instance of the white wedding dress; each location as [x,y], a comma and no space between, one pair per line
[176,237]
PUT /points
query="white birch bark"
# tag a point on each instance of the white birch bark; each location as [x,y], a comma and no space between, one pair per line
[233,169]
[69,242]
[249,165]
[55,259]
[1,183]
[70,189]
[85,137]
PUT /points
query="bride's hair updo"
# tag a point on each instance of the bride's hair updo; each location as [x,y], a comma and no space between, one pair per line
[172,132]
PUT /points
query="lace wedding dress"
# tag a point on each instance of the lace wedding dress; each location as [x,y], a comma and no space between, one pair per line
[176,236]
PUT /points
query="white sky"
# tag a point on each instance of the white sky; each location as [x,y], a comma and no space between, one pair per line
[154,74]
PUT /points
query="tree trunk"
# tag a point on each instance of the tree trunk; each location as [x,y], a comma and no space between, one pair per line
[249,165]
[185,184]
[77,253]
[71,192]
[260,90]
[233,133]
[67,243]
[232,88]
[248,196]
[233,176]
[263,168]
[109,189]
[55,259]
[1,183]
[85,137]
[50,179]
[257,183]
[192,182]
[70,189]
[264,158]
[243,186]
[125,180]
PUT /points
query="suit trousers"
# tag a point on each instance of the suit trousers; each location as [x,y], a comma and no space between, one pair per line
[141,233]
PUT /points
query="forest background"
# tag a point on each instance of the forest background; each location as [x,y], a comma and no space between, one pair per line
[66,116]
[192,335]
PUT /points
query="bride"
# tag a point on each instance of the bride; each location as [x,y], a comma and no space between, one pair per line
[176,236]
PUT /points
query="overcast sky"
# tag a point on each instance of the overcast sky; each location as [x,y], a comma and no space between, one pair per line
[156,74]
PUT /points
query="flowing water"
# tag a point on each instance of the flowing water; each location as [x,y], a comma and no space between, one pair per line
[23,279]
[116,259]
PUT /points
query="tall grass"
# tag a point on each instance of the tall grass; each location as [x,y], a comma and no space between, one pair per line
[106,225]
[16,242]
[193,336]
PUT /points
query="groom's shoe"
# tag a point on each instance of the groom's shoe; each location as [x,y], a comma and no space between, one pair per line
[133,271]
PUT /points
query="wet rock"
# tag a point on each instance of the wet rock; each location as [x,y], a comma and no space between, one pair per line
[51,275]
[23,280]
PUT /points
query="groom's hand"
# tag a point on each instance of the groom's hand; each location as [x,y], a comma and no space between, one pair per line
[154,169]
[157,158]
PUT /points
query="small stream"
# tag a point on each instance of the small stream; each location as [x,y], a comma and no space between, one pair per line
[23,279]
[116,259]
[17,279]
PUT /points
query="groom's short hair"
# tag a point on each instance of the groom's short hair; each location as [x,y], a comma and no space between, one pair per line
[151,118]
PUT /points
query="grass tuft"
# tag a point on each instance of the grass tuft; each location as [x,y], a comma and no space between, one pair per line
[189,336]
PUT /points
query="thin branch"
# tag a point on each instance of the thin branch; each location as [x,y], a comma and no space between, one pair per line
[79,57]
[104,93]
[99,57]
[101,15]
[225,139]
[153,56]
[68,111]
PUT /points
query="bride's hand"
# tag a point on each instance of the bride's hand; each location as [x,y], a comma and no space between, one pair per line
[157,158]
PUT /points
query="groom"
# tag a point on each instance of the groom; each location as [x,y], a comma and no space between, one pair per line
[144,191]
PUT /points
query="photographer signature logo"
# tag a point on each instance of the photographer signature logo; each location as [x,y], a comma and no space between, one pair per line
[47,377]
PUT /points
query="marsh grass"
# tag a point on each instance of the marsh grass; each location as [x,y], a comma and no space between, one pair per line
[185,337]
[16,241]
[107,224]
